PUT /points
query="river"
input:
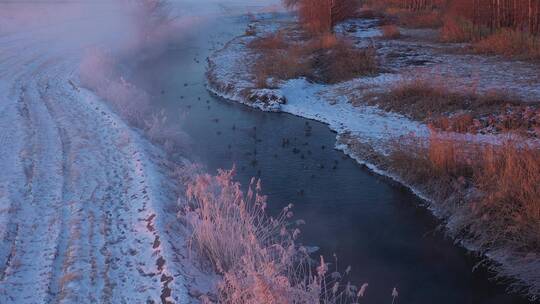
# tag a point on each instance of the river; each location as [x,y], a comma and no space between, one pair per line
[377,227]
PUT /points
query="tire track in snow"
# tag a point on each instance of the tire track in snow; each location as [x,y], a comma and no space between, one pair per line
[80,197]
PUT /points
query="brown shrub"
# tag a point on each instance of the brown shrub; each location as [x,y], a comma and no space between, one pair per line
[434,165]
[323,58]
[419,19]
[457,30]
[278,59]
[503,211]
[390,32]
[509,177]
[281,64]
[461,123]
[343,61]
[324,41]
[320,16]
[510,43]
[422,99]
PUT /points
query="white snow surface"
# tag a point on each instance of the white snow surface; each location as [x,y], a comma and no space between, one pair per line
[82,195]
[368,122]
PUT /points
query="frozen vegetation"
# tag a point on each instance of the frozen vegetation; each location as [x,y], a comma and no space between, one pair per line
[367,132]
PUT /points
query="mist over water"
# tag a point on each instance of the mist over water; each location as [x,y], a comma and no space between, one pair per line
[105,39]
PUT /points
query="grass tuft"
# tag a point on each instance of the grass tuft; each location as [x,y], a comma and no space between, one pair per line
[510,43]
[463,112]
[324,58]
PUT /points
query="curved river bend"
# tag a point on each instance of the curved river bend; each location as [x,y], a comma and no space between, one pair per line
[378,228]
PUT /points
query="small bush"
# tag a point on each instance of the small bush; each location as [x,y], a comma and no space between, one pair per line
[281,64]
[461,123]
[422,99]
[457,30]
[320,16]
[323,58]
[503,211]
[510,43]
[344,61]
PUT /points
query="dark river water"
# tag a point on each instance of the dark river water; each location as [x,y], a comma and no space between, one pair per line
[377,227]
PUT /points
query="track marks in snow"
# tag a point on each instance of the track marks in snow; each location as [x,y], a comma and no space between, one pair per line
[81,204]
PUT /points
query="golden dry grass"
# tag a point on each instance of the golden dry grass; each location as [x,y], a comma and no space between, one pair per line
[510,43]
[468,111]
[503,209]
[422,99]
[324,58]
[457,30]
[343,61]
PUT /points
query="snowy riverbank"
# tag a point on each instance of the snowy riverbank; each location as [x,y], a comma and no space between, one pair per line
[374,130]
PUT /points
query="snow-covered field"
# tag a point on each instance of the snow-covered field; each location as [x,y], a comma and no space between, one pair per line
[82,195]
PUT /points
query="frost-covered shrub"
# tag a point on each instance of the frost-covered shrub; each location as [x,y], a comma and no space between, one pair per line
[489,193]
[257,255]
[98,73]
